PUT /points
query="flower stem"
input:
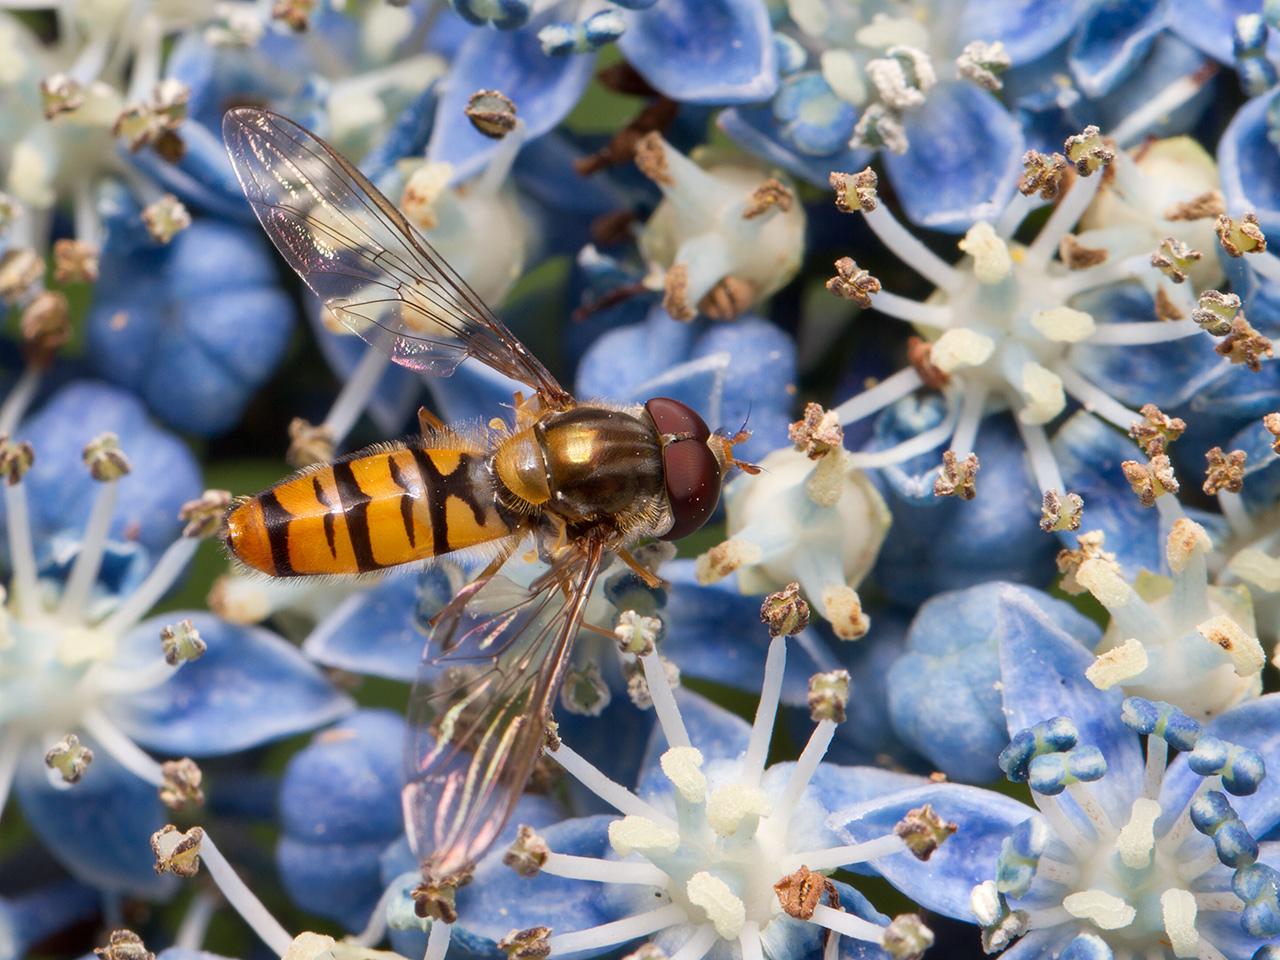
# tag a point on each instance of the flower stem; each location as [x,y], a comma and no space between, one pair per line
[618,931]
[162,576]
[89,561]
[804,770]
[438,940]
[127,753]
[1135,126]
[610,791]
[241,898]
[1143,333]
[353,399]
[603,871]
[766,711]
[26,591]
[875,399]
[847,924]
[195,923]
[697,946]
[1233,509]
[664,702]
[1044,466]
[912,311]
[899,453]
[18,400]
[1065,215]
[1094,399]
[912,252]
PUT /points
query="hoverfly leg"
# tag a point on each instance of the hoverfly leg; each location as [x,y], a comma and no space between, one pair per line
[428,422]
[651,579]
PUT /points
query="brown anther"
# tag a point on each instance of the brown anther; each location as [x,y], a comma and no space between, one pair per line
[181,643]
[177,851]
[295,14]
[855,191]
[15,459]
[531,944]
[675,293]
[74,261]
[155,122]
[651,158]
[621,149]
[1166,309]
[1271,422]
[70,758]
[1215,312]
[957,478]
[1077,256]
[124,945]
[919,355]
[817,433]
[829,696]
[1209,204]
[21,268]
[1244,344]
[60,93]
[785,612]
[182,788]
[923,831]
[45,327]
[1225,471]
[851,282]
[1241,237]
[1174,258]
[1150,480]
[436,897]
[1156,430]
[771,195]
[309,443]
[166,218]
[1058,512]
[612,229]
[1089,547]
[203,516]
[550,733]
[492,113]
[1088,151]
[728,299]
[906,937]
[527,853]
[1042,174]
[104,458]
[800,893]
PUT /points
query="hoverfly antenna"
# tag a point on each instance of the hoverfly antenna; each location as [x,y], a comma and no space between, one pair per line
[722,446]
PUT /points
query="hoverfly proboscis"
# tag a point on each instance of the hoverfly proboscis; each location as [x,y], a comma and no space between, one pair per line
[583,481]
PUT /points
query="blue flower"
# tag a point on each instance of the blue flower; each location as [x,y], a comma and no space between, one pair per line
[88,682]
[194,326]
[1116,854]
[29,918]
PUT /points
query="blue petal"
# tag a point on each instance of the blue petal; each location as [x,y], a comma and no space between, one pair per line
[472,392]
[399,391]
[544,89]
[1027,28]
[250,687]
[339,808]
[964,160]
[1168,61]
[717,733]
[1249,164]
[499,900]
[615,743]
[622,360]
[164,476]
[1042,671]
[1262,467]
[1089,454]
[194,327]
[1112,38]
[375,632]
[758,131]
[944,693]
[101,829]
[943,882]
[704,51]
[714,632]
[1209,24]
[31,917]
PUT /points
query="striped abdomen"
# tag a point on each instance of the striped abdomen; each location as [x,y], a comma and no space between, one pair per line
[384,506]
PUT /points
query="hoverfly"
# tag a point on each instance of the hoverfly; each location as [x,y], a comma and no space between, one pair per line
[583,481]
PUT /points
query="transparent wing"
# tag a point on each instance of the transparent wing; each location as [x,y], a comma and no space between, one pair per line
[478,717]
[365,261]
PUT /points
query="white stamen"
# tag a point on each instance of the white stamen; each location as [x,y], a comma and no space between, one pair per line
[26,590]
[766,711]
[438,940]
[848,924]
[1095,400]
[127,753]
[912,252]
[1256,567]
[1082,794]
[10,748]
[503,158]
[18,400]
[1062,825]
[604,871]
[697,946]
[973,405]
[195,922]
[89,561]
[749,939]
[901,452]
[618,931]
[1157,762]
[1104,910]
[804,769]
[1017,210]
[1267,264]
[117,682]
[664,701]
[375,927]
[1143,333]
[353,399]
[1178,908]
[724,909]
[242,899]
[883,394]
[1055,871]
[1234,510]
[611,792]
[146,62]
[912,311]
[1044,466]
[1047,917]
[1065,215]
[1130,614]
[833,858]
[1220,901]
[157,583]
[1137,839]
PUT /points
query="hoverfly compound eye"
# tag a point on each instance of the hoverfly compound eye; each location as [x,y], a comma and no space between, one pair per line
[691,468]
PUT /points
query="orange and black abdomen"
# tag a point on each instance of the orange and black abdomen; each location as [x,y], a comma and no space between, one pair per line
[388,505]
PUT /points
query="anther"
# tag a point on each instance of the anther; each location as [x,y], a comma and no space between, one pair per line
[177,851]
